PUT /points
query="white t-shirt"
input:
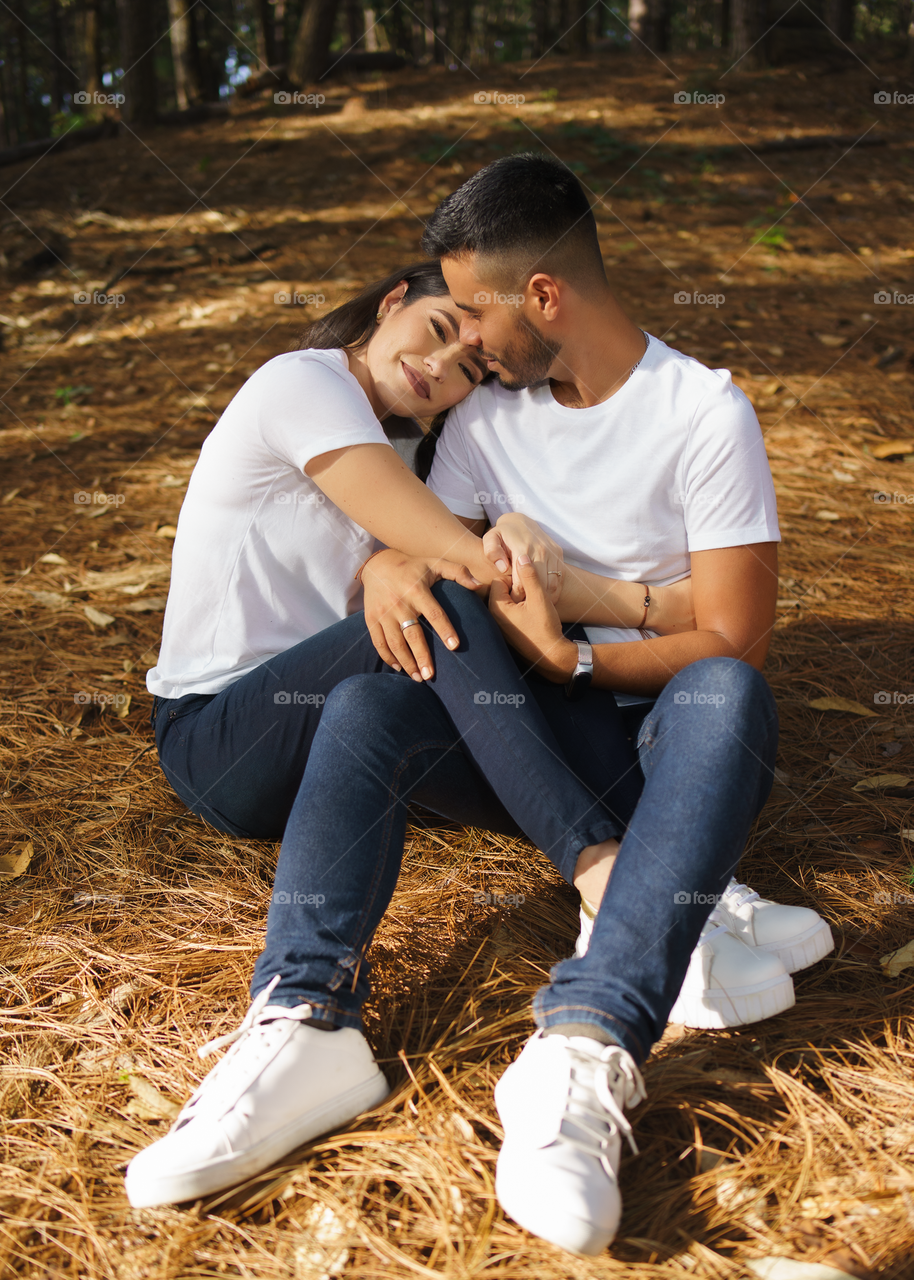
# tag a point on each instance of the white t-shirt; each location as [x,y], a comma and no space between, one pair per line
[262,559]
[673,462]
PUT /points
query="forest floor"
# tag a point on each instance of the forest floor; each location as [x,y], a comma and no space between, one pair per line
[130,930]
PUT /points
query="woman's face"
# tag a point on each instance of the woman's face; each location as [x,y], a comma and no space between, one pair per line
[418,364]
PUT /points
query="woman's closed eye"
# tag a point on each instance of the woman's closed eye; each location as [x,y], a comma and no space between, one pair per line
[439,331]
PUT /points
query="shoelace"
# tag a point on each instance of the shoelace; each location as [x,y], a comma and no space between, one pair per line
[625,1078]
[257,1007]
[742,893]
[713,926]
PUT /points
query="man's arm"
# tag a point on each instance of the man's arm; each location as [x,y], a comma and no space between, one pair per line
[735,595]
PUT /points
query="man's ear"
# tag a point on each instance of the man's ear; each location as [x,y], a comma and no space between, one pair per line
[544,291]
[396,295]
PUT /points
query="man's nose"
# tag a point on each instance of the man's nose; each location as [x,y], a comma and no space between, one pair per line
[469,331]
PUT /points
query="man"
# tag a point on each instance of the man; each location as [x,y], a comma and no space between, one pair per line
[621,482]
[642,465]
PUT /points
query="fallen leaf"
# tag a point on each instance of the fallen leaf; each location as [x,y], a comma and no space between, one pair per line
[881,780]
[827,515]
[896,961]
[831,340]
[153,604]
[52,558]
[96,617]
[50,599]
[891,448]
[154,1104]
[791,1269]
[120,707]
[15,863]
[166,531]
[842,704]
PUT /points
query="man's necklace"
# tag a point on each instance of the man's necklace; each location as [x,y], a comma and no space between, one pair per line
[647,343]
[577,398]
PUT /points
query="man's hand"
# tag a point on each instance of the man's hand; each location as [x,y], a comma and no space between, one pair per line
[514,535]
[532,626]
[398,588]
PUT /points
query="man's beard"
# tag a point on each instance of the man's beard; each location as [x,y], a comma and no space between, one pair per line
[528,357]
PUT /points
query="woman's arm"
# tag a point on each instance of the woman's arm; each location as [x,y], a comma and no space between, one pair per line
[375,488]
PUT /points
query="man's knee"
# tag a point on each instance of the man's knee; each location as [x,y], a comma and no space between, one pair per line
[730,686]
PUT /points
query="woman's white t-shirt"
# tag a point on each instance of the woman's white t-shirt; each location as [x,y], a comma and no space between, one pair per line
[262,559]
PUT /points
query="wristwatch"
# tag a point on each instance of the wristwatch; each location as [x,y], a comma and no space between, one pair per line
[582,675]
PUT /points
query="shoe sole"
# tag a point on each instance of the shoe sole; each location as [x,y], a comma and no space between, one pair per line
[226,1171]
[719,1007]
[804,950]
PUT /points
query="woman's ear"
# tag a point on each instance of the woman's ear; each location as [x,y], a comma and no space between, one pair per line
[395,296]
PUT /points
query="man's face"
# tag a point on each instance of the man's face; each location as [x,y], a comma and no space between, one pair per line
[500,326]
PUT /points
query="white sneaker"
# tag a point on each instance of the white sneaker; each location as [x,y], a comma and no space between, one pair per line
[588,916]
[798,936]
[729,983]
[561,1106]
[281,1084]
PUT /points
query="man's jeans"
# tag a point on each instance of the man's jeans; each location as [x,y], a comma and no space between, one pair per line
[335,777]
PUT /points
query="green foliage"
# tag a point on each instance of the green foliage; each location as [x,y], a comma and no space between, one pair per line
[67,395]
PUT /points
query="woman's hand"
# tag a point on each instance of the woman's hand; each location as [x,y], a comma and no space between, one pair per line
[398,588]
[532,626]
[514,535]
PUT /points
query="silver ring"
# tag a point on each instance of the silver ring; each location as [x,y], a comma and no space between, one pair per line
[554,572]
[410,622]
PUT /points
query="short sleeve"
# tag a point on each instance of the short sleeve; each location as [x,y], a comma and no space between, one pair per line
[727,492]
[451,477]
[308,403]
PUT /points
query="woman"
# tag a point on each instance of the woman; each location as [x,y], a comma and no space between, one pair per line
[292,489]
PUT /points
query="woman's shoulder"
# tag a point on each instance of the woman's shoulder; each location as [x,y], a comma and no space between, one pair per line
[308,367]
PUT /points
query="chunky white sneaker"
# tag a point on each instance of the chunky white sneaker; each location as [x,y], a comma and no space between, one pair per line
[798,936]
[280,1084]
[561,1106]
[728,983]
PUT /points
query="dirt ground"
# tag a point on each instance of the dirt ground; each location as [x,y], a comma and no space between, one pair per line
[129,929]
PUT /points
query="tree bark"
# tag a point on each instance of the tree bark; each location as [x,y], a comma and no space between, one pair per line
[747,16]
[840,19]
[266,35]
[580,33]
[88,47]
[311,48]
[638,20]
[136,21]
[183,53]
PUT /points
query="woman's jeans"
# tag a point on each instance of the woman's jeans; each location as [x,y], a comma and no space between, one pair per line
[324,746]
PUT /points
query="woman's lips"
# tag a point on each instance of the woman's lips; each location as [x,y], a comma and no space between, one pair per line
[419,385]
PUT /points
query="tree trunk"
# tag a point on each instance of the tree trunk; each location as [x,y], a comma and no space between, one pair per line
[724,24]
[539,13]
[580,35]
[909,59]
[746,16]
[311,49]
[840,19]
[660,14]
[355,23]
[183,51]
[208,71]
[136,22]
[61,76]
[266,35]
[88,47]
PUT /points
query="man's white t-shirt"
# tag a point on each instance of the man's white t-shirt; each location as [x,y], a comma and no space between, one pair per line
[673,462]
[262,559]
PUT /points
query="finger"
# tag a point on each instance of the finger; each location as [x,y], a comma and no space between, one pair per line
[376,631]
[499,596]
[418,644]
[436,616]
[456,573]
[554,571]
[529,578]
[493,545]
[396,640]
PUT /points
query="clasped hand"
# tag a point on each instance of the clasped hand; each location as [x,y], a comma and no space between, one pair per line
[528,568]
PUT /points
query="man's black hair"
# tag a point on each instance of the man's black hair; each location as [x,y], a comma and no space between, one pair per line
[520,214]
